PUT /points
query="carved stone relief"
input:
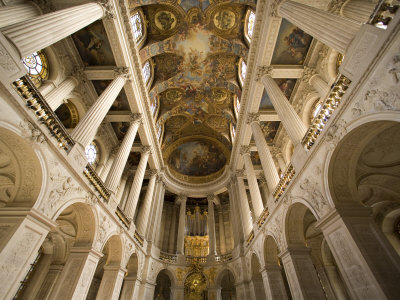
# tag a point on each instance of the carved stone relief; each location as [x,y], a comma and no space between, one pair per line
[376,101]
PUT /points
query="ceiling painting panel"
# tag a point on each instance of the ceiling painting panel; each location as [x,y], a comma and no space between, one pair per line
[291,46]
[120,103]
[270,129]
[93,45]
[255,158]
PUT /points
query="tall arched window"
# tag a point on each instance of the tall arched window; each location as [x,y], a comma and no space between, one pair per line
[138,27]
[249,25]
[147,72]
[242,71]
[37,66]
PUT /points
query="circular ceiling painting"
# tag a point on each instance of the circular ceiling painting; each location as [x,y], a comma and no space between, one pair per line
[197,158]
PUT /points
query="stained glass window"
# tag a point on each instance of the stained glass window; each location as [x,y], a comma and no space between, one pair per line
[37,66]
[153,106]
[159,130]
[243,69]
[137,26]
[237,104]
[91,153]
[146,71]
[250,24]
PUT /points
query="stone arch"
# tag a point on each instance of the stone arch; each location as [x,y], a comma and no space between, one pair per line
[21,171]
[256,278]
[222,273]
[226,284]
[164,284]
[129,285]
[271,251]
[114,251]
[343,179]
[293,225]
[390,227]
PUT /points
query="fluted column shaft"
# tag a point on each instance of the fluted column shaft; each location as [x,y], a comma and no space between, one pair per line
[211,227]
[51,27]
[121,188]
[256,199]
[267,162]
[181,228]
[358,10]
[222,244]
[319,85]
[115,173]
[234,213]
[244,205]
[12,14]
[333,30]
[172,230]
[157,232]
[292,123]
[56,97]
[107,166]
[148,199]
[87,127]
[134,193]
[281,162]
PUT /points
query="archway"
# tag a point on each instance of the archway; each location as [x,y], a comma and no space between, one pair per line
[130,286]
[276,277]
[227,285]
[75,230]
[196,287]
[105,279]
[256,279]
[363,178]
[163,286]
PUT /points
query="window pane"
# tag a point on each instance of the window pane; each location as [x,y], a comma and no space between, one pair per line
[146,72]
[250,24]
[243,68]
[137,26]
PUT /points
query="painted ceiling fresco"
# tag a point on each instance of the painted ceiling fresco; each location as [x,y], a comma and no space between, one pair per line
[195,47]
[286,85]
[291,46]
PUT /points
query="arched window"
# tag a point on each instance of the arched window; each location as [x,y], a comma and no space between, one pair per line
[237,105]
[242,71]
[154,106]
[159,131]
[137,26]
[92,154]
[233,131]
[37,66]
[146,71]
[249,25]
[316,108]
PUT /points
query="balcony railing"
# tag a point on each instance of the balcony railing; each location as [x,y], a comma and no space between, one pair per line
[196,259]
[35,101]
[139,238]
[383,13]
[170,258]
[263,217]
[284,182]
[96,181]
[331,103]
[121,215]
[223,257]
[250,238]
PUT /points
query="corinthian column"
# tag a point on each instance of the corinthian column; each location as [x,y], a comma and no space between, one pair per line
[181,227]
[148,199]
[256,199]
[292,123]
[37,33]
[267,162]
[358,10]
[12,14]
[311,77]
[211,225]
[115,173]
[56,97]
[244,204]
[87,127]
[137,183]
[221,231]
[332,30]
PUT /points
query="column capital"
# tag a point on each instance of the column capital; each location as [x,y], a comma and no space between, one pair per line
[108,8]
[145,149]
[181,199]
[153,172]
[335,6]
[211,197]
[79,75]
[114,150]
[253,117]
[263,70]
[122,71]
[275,150]
[244,150]
[274,8]
[135,117]
[239,173]
[262,179]
[308,72]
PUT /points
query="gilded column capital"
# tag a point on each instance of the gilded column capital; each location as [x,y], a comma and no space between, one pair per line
[135,118]
[145,149]
[263,70]
[253,117]
[244,150]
